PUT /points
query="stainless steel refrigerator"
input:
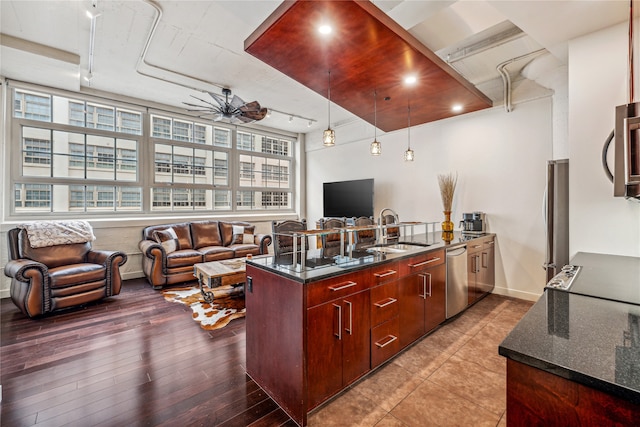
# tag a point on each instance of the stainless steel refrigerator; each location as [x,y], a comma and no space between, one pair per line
[557,216]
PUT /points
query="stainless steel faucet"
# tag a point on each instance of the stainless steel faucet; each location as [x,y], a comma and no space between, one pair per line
[383,230]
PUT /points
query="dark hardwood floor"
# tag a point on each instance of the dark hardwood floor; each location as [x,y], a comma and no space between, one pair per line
[129,360]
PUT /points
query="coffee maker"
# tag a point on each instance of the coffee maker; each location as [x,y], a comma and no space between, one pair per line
[473,223]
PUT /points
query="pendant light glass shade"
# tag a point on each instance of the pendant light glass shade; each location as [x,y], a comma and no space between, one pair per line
[329,135]
[376,147]
[408,155]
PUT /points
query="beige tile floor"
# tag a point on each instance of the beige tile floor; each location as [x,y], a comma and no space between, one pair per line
[452,377]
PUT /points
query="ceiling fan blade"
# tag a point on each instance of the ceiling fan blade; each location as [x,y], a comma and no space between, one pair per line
[250,106]
[202,100]
[219,99]
[255,115]
[236,102]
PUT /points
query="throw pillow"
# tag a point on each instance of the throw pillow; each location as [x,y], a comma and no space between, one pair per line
[168,239]
[242,235]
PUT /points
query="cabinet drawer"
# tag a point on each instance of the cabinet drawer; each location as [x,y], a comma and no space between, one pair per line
[384,273]
[384,341]
[421,262]
[384,303]
[488,244]
[336,287]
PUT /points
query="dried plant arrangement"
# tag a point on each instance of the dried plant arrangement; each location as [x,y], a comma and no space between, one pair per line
[447,184]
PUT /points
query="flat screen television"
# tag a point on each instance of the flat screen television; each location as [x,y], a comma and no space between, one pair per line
[348,198]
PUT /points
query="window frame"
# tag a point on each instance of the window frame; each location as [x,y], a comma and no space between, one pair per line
[222,199]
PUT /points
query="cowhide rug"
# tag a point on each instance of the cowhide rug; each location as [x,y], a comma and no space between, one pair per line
[228,304]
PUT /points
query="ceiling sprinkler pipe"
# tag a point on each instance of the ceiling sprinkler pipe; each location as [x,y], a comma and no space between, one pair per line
[506,78]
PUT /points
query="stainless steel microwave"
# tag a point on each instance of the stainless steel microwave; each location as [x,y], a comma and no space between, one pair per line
[626,173]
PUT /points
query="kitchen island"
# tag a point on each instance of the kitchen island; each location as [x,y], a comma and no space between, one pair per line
[314,330]
[574,358]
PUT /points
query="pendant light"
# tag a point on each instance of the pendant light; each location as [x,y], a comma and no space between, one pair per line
[376,147]
[329,135]
[408,155]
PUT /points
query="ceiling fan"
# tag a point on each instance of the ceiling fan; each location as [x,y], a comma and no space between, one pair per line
[236,111]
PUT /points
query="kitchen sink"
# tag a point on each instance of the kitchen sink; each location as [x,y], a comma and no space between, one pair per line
[393,248]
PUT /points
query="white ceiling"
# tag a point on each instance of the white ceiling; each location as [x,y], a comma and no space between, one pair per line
[166,50]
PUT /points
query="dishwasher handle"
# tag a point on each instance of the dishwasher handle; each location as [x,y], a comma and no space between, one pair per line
[457,251]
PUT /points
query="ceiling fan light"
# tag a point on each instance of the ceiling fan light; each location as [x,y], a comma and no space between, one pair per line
[408,155]
[376,148]
[329,138]
[324,29]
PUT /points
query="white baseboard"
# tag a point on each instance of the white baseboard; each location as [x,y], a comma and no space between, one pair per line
[528,296]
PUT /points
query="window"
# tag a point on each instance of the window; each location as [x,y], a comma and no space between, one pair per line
[92,157]
[246,170]
[32,196]
[100,117]
[32,106]
[36,151]
[245,141]
[275,146]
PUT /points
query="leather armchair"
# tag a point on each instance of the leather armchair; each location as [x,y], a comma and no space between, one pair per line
[51,278]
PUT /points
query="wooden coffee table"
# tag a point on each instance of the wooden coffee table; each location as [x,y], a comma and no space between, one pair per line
[219,273]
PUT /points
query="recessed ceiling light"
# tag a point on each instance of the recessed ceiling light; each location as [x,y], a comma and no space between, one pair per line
[410,80]
[324,29]
[456,108]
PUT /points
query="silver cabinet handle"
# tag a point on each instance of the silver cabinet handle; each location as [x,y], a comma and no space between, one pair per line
[429,294]
[429,261]
[476,246]
[339,333]
[391,339]
[385,274]
[387,302]
[350,328]
[490,242]
[342,286]
[424,285]
[485,260]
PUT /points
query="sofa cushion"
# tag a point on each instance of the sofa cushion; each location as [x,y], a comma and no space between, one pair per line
[243,234]
[183,258]
[242,250]
[183,231]
[76,273]
[53,256]
[216,253]
[168,239]
[205,233]
[226,229]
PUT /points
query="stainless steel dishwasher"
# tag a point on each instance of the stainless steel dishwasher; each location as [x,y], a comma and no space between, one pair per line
[457,280]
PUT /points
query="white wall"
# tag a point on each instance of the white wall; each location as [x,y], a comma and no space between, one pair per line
[597,84]
[500,158]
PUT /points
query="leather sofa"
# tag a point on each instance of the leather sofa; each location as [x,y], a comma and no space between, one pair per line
[170,250]
[46,279]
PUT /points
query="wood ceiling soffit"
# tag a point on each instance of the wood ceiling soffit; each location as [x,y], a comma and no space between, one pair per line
[366,51]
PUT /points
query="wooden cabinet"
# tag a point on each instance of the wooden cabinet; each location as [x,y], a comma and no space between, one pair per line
[422,296]
[473,270]
[309,339]
[337,345]
[385,326]
[486,279]
[481,268]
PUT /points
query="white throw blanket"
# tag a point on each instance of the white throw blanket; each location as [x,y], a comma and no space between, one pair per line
[51,233]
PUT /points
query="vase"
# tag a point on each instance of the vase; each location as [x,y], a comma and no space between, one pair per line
[447,227]
[447,224]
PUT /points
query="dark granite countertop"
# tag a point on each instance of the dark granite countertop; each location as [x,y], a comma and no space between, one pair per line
[317,268]
[586,339]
